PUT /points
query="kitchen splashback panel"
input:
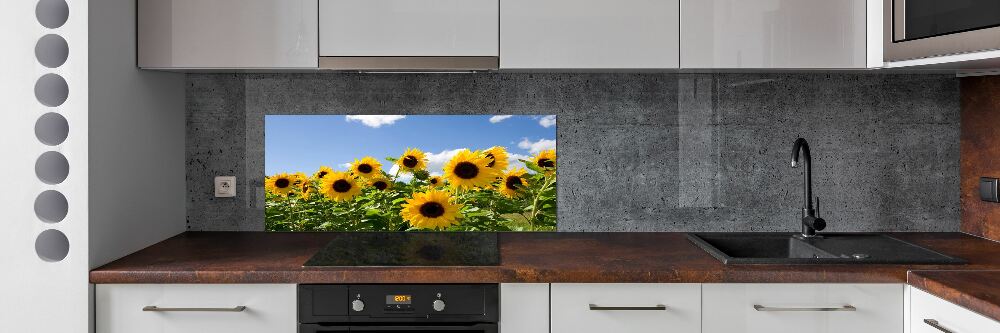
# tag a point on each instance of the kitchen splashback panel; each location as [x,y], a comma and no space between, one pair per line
[638,152]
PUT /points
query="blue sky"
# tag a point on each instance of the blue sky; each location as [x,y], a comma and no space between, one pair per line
[295,143]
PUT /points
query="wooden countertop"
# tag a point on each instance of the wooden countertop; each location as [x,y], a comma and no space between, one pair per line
[259,257]
[978,291]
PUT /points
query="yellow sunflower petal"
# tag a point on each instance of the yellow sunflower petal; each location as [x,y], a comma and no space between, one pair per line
[367,167]
[281,184]
[412,160]
[497,158]
[431,210]
[546,159]
[512,183]
[468,170]
[340,186]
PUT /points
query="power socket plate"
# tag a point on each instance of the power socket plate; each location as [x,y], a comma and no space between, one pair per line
[225,186]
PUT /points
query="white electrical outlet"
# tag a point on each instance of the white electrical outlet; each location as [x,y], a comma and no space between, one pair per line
[225,186]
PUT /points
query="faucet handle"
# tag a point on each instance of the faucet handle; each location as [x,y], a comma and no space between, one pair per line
[817,206]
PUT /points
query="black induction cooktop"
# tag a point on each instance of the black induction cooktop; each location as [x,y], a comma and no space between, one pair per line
[409,249]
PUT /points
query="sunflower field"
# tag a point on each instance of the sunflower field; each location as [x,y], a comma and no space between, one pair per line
[476,191]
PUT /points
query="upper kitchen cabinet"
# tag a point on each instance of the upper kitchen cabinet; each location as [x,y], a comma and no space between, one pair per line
[409,34]
[219,34]
[800,34]
[589,34]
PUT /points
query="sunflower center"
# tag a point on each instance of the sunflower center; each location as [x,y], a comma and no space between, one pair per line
[322,174]
[341,186]
[546,163]
[381,185]
[282,183]
[410,161]
[434,181]
[431,209]
[513,182]
[466,170]
[493,160]
[365,168]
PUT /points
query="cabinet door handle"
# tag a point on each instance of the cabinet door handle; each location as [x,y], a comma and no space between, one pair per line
[159,309]
[595,307]
[776,309]
[935,324]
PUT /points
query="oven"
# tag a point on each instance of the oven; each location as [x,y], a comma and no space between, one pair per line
[915,29]
[378,308]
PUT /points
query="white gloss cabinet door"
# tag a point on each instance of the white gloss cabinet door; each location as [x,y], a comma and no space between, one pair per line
[227,34]
[796,308]
[773,34]
[427,28]
[524,307]
[946,315]
[589,34]
[270,308]
[628,307]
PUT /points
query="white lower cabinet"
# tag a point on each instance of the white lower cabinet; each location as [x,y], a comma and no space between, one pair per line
[524,307]
[803,308]
[629,307]
[930,314]
[186,308]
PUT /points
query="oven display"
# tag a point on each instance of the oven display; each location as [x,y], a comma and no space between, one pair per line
[398,299]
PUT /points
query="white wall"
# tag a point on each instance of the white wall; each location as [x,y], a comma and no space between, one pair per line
[137,192]
[38,295]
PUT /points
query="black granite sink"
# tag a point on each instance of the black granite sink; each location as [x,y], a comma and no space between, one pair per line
[834,248]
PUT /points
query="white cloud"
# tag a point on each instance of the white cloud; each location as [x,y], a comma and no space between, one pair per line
[513,160]
[547,121]
[497,119]
[375,121]
[537,146]
[345,166]
[403,176]
[436,161]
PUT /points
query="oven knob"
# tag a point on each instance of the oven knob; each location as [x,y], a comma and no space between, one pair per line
[438,305]
[358,305]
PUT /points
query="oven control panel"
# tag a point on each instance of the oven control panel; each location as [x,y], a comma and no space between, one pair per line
[378,303]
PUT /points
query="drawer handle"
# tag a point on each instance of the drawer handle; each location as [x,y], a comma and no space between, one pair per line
[595,307]
[769,308]
[935,324]
[159,309]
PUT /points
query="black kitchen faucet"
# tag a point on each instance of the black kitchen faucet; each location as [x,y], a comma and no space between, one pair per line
[810,221]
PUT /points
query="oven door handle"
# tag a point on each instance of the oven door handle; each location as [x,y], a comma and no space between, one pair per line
[416,327]
[485,328]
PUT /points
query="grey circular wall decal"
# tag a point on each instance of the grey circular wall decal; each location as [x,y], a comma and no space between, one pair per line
[51,51]
[52,168]
[52,13]
[52,245]
[51,206]
[51,90]
[51,129]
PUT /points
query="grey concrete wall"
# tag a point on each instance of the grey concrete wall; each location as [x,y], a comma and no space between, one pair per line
[637,152]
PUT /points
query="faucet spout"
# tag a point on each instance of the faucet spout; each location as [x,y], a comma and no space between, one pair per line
[810,222]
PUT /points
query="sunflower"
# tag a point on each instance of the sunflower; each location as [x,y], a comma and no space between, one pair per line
[546,159]
[498,158]
[512,183]
[435,181]
[280,184]
[468,169]
[339,186]
[412,160]
[322,172]
[431,210]
[380,183]
[306,189]
[367,167]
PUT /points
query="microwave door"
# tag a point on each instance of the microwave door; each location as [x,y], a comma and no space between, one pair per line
[916,19]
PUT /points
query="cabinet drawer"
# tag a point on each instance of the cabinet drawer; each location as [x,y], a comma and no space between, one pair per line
[269,308]
[633,308]
[803,308]
[388,28]
[946,315]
